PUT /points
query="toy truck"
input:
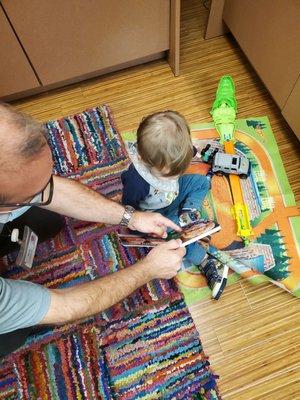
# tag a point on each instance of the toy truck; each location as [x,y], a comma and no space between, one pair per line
[224,163]
[208,153]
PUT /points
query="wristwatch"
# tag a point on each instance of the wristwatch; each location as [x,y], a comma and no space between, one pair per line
[127,215]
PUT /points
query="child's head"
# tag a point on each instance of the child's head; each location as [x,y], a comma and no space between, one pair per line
[164,143]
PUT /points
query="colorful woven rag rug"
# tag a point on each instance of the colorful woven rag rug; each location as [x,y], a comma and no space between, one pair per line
[145,347]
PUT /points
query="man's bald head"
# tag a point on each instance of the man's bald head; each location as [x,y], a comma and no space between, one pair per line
[25,158]
[21,137]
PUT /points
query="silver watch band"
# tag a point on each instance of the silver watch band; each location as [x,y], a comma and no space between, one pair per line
[127,215]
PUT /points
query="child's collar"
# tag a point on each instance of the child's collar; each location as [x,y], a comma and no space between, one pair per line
[170,185]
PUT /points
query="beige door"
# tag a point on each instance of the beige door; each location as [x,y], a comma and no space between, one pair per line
[16,74]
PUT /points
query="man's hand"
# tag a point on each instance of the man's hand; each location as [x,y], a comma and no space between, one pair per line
[152,223]
[164,261]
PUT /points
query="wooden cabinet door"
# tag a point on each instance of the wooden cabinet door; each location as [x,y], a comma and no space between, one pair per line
[70,38]
[291,109]
[16,74]
[268,31]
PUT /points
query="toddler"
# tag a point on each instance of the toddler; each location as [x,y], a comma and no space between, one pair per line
[155,181]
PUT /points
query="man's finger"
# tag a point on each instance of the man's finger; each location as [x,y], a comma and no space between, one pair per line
[159,231]
[170,224]
[173,244]
[182,251]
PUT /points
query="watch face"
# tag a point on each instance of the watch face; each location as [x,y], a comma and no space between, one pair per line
[127,215]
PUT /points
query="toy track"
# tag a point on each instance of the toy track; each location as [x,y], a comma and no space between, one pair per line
[224,112]
[239,208]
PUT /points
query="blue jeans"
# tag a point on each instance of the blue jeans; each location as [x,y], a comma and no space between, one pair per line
[192,191]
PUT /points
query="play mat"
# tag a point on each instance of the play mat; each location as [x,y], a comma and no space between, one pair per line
[273,251]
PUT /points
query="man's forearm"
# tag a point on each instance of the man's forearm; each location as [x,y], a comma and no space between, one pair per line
[93,297]
[76,200]
[73,199]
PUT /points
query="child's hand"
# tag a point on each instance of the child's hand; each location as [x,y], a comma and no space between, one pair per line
[189,216]
[151,222]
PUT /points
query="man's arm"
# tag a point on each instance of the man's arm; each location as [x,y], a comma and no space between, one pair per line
[73,199]
[93,297]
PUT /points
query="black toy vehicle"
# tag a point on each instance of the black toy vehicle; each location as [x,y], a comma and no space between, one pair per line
[208,153]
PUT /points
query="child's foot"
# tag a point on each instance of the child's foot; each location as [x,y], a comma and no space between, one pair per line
[216,277]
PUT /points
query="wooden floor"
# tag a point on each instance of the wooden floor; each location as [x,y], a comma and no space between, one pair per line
[253,333]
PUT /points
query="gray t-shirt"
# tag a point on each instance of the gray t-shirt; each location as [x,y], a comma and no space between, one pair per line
[22,304]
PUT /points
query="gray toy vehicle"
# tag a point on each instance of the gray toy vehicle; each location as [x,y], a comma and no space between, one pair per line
[231,164]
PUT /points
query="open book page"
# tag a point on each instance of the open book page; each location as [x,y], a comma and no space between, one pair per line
[189,234]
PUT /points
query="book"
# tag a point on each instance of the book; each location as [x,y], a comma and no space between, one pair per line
[191,233]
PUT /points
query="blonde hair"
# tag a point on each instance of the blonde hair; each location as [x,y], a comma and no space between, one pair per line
[164,142]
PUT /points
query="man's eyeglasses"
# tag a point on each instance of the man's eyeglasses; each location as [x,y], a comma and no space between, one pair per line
[40,198]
